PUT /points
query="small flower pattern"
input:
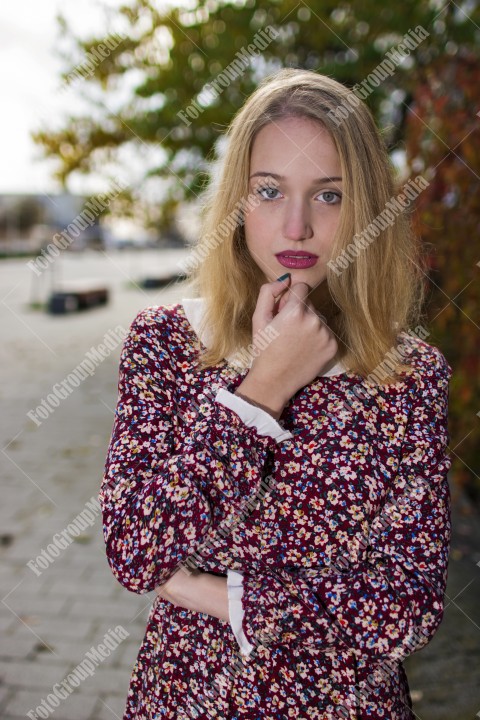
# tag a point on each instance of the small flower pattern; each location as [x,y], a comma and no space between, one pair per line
[344,557]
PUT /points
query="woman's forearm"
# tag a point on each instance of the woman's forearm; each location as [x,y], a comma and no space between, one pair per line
[199,591]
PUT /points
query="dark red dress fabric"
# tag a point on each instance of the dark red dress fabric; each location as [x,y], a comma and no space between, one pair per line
[344,558]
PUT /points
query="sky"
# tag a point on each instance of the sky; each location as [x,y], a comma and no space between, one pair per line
[30,80]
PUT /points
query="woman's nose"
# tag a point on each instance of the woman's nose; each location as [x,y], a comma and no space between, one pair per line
[297,222]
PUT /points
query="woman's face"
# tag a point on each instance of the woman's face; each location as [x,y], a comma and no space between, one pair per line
[299,212]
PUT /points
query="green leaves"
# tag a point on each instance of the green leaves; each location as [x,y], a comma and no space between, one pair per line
[426,105]
[158,63]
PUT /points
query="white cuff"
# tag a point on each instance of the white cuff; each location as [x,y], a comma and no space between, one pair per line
[235,610]
[253,416]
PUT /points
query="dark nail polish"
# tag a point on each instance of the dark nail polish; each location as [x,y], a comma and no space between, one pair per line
[283,277]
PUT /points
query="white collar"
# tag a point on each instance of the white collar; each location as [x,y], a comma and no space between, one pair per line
[194,310]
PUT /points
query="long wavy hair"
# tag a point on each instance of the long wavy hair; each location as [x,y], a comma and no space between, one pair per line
[377,296]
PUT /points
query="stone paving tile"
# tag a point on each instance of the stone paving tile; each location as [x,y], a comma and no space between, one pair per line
[74,586]
[6,622]
[31,673]
[96,608]
[102,575]
[5,694]
[49,627]
[106,680]
[74,707]
[14,647]
[110,707]
[22,701]
[129,654]
[42,605]
[68,655]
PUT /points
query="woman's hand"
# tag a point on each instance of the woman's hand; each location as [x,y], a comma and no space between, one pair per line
[302,347]
[199,591]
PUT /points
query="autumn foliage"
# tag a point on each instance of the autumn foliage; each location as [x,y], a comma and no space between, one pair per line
[442,138]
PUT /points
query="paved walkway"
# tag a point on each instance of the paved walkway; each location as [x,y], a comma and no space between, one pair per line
[55,610]
[53,613]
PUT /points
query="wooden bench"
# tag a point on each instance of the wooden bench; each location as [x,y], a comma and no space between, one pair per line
[152,282]
[77,295]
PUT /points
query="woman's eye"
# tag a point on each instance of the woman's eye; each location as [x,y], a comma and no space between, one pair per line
[330,197]
[268,193]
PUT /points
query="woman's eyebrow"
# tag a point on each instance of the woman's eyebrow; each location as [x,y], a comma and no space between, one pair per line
[261,173]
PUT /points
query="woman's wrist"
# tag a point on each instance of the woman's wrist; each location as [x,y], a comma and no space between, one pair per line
[213,595]
[261,395]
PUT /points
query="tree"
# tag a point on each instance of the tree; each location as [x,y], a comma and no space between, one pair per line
[167,59]
[443,143]
[23,214]
[172,118]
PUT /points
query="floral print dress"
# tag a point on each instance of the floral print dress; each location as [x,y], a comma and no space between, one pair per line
[332,526]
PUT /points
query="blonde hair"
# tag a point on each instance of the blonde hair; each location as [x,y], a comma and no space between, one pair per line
[376,296]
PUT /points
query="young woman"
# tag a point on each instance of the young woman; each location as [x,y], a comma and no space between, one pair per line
[277,471]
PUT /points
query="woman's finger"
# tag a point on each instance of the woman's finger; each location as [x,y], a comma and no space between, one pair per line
[268,301]
[298,294]
[312,307]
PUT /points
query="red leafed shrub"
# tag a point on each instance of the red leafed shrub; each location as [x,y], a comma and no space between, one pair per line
[443,145]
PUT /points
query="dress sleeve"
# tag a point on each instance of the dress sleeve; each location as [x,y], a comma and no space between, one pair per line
[235,610]
[253,416]
[162,491]
[390,602]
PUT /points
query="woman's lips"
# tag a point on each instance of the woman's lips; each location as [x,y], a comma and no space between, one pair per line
[296,260]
